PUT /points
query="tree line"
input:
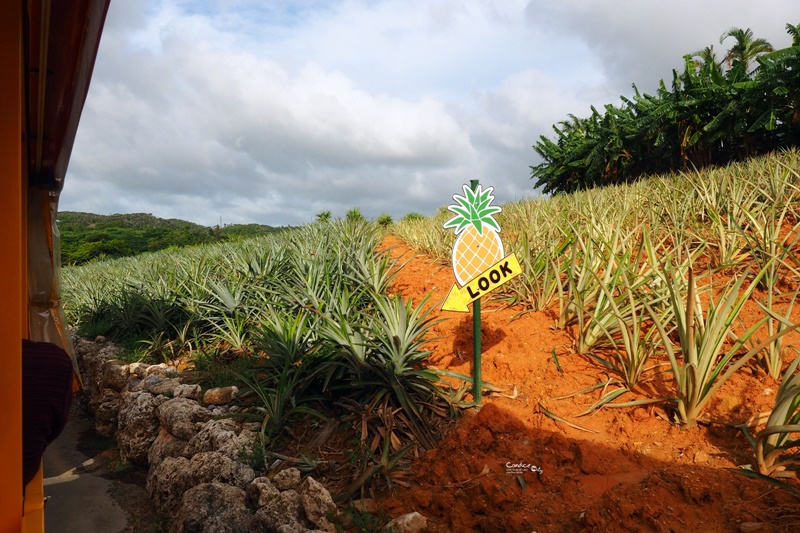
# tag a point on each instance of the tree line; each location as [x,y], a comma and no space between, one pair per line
[715,111]
[86,236]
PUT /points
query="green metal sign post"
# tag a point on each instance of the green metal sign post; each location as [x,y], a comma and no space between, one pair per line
[477,383]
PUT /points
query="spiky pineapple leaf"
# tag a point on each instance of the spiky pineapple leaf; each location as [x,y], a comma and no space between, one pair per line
[473,208]
[475,219]
[470,194]
[484,202]
[493,224]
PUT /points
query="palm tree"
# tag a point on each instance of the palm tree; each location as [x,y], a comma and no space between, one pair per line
[794,31]
[323,217]
[707,63]
[746,48]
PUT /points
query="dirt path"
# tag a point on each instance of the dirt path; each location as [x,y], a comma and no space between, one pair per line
[88,489]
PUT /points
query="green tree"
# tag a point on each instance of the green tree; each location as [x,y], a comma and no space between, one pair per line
[324,216]
[385,220]
[776,96]
[794,31]
[706,117]
[354,215]
[708,65]
[746,48]
[410,217]
[85,236]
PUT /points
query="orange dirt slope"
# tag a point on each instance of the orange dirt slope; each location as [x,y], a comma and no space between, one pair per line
[632,471]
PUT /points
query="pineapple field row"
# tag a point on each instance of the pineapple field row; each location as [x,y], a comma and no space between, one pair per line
[650,320]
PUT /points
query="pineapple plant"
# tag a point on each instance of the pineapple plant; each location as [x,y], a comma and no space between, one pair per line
[478,245]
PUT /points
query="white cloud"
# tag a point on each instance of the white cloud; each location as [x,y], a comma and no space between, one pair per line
[271,113]
[642,41]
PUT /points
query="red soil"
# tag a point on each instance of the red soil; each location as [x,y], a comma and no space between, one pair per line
[636,471]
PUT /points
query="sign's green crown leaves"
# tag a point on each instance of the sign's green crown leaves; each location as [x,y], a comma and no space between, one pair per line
[474,208]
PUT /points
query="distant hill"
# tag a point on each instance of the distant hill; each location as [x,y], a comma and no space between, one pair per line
[86,236]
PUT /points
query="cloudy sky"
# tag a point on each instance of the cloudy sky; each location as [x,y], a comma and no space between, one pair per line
[271,111]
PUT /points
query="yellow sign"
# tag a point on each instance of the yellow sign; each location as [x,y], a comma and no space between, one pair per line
[493,277]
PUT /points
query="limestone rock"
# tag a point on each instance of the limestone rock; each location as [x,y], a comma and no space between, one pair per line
[91,358]
[213,435]
[109,351]
[106,414]
[83,346]
[165,445]
[145,384]
[180,416]
[167,482]
[220,395]
[284,513]
[261,491]
[138,426]
[287,479]
[114,375]
[193,392]
[214,466]
[408,523]
[213,508]
[166,387]
[161,370]
[138,369]
[90,365]
[225,436]
[317,502]
[295,528]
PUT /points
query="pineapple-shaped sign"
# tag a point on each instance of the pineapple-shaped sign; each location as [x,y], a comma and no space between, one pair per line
[478,261]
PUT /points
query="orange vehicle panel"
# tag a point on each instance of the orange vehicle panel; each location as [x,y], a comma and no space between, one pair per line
[12,261]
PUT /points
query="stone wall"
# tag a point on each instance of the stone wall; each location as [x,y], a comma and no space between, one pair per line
[197,477]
